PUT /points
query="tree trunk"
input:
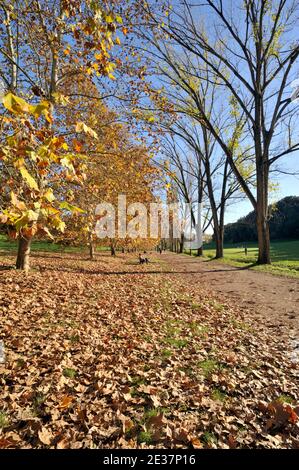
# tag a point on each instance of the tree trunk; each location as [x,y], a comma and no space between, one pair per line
[263,234]
[91,250]
[218,234]
[181,242]
[219,239]
[23,254]
[262,220]
[222,212]
[199,251]
[263,240]
[200,189]
[112,250]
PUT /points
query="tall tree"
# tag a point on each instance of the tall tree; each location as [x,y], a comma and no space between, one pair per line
[253,59]
[34,162]
[188,95]
[44,46]
[115,163]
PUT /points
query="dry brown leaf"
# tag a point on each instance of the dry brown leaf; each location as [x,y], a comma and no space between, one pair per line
[45,436]
[65,402]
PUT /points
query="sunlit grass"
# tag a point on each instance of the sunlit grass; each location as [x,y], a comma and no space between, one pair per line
[284,256]
[8,245]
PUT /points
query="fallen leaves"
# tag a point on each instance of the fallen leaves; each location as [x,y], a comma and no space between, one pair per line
[65,402]
[282,414]
[45,436]
[104,354]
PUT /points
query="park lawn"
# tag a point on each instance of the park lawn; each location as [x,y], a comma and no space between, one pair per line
[284,254]
[7,245]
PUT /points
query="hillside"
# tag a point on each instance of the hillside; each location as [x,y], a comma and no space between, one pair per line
[284,223]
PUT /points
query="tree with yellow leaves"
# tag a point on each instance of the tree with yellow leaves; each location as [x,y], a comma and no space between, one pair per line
[33,161]
[115,164]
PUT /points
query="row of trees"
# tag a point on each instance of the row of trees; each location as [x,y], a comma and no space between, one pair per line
[226,69]
[63,151]
[211,83]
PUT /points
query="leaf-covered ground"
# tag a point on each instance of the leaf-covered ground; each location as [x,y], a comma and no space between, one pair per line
[111,354]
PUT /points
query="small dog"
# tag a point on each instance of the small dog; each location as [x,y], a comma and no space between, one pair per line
[143,259]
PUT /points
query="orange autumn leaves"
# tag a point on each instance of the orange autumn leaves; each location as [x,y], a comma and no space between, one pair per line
[115,164]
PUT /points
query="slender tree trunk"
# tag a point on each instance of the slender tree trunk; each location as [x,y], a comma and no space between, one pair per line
[220,242]
[171,241]
[181,243]
[262,144]
[262,178]
[218,234]
[200,189]
[23,254]
[112,248]
[199,251]
[91,250]
[263,234]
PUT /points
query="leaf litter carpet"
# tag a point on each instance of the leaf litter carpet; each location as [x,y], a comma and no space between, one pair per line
[110,354]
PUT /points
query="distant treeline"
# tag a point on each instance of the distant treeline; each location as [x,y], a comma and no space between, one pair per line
[284,223]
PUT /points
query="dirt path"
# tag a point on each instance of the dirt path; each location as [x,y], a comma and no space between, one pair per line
[272,299]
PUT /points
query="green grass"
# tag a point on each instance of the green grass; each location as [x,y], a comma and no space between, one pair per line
[241,325]
[137,380]
[198,329]
[69,373]
[74,339]
[208,366]
[145,436]
[286,399]
[284,255]
[176,342]
[166,353]
[218,395]
[3,419]
[153,412]
[209,438]
[38,245]
[11,246]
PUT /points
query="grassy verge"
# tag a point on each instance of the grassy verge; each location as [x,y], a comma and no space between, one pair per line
[284,254]
[38,245]
[7,245]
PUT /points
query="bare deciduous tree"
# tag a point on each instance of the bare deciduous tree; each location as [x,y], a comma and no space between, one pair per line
[251,51]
